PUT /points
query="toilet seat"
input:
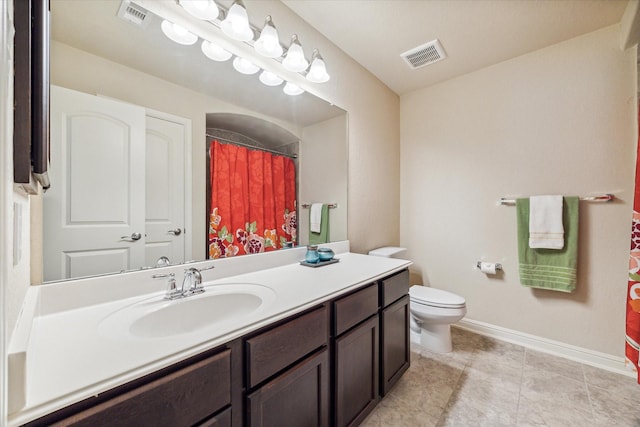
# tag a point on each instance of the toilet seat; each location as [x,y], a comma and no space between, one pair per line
[435,297]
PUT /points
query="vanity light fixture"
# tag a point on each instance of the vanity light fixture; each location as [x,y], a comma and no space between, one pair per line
[177,33]
[214,52]
[268,44]
[294,60]
[318,70]
[292,89]
[206,10]
[270,79]
[236,24]
[245,66]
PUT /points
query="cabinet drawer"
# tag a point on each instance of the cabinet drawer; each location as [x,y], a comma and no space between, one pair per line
[354,308]
[277,348]
[395,287]
[184,397]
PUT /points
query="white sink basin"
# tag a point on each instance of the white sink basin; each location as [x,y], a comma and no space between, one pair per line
[220,306]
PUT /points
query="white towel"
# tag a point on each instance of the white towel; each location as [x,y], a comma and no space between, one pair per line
[315,217]
[545,222]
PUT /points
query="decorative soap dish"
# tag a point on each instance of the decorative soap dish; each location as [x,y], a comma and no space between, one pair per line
[319,263]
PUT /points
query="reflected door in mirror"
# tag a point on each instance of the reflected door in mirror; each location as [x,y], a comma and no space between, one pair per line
[164,194]
[92,213]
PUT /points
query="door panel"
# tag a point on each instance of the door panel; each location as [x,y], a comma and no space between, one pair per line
[165,201]
[97,195]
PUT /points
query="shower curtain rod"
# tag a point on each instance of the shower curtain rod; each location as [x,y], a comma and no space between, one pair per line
[293,156]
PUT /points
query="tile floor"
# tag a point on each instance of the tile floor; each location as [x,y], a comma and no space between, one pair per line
[486,382]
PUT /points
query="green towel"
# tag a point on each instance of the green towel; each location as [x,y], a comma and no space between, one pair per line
[323,235]
[553,269]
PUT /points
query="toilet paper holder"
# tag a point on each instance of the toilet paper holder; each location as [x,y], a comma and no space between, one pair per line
[498,265]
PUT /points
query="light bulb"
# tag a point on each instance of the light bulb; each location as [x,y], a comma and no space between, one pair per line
[201,9]
[270,79]
[318,70]
[292,89]
[177,33]
[236,24]
[245,66]
[294,60]
[268,43]
[214,52]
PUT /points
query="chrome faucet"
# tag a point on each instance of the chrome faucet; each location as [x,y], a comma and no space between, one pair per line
[191,284]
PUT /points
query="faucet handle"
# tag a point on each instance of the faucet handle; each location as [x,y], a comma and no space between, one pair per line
[172,289]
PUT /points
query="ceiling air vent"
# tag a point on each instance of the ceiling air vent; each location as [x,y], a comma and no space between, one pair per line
[134,14]
[425,54]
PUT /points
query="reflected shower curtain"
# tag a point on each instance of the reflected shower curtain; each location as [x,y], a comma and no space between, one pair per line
[632,344]
[253,201]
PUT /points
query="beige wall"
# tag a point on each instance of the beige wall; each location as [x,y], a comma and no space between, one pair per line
[560,120]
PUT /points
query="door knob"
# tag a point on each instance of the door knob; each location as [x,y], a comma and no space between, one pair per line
[132,238]
[175,232]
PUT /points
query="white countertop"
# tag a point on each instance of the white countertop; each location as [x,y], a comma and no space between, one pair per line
[70,356]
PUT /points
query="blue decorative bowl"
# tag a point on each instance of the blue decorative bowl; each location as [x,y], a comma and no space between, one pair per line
[325,254]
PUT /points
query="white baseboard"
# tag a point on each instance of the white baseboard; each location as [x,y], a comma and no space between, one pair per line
[556,348]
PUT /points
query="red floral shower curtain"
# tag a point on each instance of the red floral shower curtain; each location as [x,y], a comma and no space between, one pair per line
[632,346]
[253,201]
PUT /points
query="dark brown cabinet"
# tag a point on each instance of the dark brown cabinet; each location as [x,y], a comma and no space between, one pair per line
[395,348]
[293,359]
[328,365]
[394,343]
[356,373]
[298,397]
[186,396]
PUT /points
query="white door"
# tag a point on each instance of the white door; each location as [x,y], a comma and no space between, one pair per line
[165,198]
[94,212]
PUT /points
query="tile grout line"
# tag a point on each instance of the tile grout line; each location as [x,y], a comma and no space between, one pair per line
[524,360]
[467,362]
[586,385]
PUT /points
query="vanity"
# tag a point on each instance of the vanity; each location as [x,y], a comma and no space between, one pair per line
[322,347]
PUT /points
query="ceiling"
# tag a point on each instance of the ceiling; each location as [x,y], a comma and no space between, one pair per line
[474,33]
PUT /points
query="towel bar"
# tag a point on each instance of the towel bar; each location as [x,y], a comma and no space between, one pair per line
[331,205]
[602,198]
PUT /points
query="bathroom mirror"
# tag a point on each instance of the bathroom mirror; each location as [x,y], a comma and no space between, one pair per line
[94,51]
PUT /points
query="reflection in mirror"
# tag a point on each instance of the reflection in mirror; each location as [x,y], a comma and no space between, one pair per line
[251,188]
[128,146]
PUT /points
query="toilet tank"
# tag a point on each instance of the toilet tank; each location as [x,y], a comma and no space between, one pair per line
[389,252]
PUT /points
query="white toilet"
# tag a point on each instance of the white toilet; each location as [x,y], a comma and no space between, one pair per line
[432,310]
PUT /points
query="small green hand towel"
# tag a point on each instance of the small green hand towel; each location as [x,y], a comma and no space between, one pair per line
[323,235]
[553,269]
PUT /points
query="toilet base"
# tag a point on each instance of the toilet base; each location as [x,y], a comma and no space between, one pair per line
[435,337]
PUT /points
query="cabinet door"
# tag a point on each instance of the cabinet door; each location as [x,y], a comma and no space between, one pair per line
[298,397]
[395,345]
[356,373]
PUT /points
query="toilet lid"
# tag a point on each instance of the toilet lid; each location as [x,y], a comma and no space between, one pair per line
[435,297]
